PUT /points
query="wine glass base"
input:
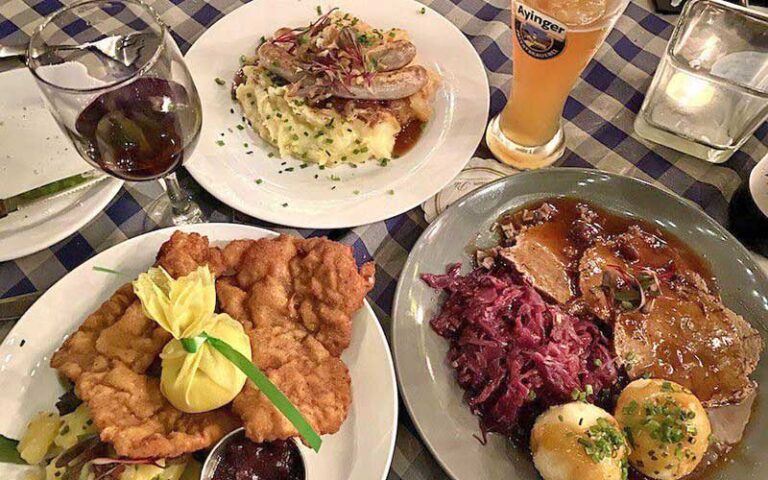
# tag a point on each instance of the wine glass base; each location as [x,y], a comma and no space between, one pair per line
[521,156]
[161,215]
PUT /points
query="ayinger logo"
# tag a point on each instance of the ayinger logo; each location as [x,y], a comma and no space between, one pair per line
[540,36]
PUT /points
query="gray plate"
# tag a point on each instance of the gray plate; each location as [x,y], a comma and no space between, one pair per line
[431,394]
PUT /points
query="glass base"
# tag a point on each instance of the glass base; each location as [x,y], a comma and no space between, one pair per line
[521,156]
[161,215]
[681,144]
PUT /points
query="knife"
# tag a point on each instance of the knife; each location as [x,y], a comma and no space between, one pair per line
[51,190]
[12,308]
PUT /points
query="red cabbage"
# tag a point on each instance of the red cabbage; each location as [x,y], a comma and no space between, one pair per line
[513,351]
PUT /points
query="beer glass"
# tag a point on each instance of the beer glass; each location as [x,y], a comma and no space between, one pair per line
[552,42]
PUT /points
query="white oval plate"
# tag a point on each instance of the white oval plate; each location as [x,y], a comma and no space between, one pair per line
[296,198]
[361,449]
[34,152]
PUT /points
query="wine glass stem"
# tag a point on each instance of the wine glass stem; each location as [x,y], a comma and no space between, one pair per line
[183,209]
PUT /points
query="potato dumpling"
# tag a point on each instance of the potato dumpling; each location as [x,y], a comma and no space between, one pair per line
[579,441]
[666,426]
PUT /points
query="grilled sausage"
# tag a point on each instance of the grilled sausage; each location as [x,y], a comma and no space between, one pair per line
[280,62]
[385,85]
[391,56]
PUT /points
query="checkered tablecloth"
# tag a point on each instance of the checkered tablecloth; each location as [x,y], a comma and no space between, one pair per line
[599,117]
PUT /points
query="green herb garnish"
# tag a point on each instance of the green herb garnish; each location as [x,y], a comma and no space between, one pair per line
[9,452]
[107,270]
[602,441]
[278,399]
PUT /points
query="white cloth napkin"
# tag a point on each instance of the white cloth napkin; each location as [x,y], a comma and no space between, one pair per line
[477,173]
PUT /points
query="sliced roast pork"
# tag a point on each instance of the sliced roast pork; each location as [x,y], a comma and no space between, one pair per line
[691,338]
[591,267]
[633,251]
[536,257]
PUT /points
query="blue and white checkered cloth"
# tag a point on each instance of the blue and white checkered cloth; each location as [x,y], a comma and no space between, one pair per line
[599,128]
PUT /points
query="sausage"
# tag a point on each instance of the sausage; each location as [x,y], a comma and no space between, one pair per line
[385,57]
[385,85]
[391,56]
[280,62]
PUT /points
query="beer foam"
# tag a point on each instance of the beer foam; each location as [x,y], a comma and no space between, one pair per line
[574,13]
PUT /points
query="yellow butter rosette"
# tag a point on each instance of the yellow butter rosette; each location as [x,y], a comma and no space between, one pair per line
[184,307]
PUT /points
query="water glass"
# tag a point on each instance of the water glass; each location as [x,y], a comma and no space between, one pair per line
[710,92]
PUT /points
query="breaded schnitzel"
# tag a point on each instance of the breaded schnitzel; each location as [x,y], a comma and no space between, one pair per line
[295,298]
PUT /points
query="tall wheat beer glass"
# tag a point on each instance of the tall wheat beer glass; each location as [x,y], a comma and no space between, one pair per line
[552,42]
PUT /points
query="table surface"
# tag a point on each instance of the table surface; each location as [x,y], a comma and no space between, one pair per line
[598,125]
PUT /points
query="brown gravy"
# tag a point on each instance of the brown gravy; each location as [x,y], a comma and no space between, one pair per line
[407,138]
[559,232]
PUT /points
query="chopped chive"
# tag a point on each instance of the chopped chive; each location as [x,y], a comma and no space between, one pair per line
[219,81]
[107,270]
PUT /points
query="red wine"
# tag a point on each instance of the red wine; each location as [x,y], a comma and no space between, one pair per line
[139,131]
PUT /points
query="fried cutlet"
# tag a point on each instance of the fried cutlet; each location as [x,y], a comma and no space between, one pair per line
[108,358]
[294,297]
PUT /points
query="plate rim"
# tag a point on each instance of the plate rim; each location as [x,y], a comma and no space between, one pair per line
[332,221]
[266,233]
[104,200]
[589,172]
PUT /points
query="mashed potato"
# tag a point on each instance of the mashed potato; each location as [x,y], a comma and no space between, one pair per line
[319,135]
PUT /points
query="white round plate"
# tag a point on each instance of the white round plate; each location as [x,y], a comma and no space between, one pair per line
[296,198]
[35,152]
[361,449]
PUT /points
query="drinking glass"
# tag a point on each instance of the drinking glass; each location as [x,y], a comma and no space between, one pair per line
[552,42]
[116,83]
[710,92]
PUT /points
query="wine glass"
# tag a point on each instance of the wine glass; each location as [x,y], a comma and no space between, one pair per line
[116,83]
